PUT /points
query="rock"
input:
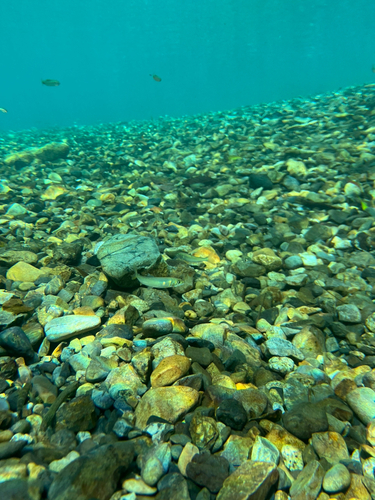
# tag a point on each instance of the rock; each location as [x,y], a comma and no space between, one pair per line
[304,419]
[186,457]
[44,388]
[232,413]
[203,431]
[76,415]
[169,403]
[292,457]
[14,340]
[173,486]
[349,313]
[94,474]
[251,481]
[264,451]
[362,402]
[281,365]
[52,151]
[210,332]
[126,379]
[157,327]
[11,257]
[318,232]
[199,355]
[11,448]
[260,180]
[169,370]
[236,449]
[281,347]
[68,326]
[23,272]
[336,479]
[123,253]
[308,482]
[152,471]
[208,470]
[138,487]
[164,348]
[331,446]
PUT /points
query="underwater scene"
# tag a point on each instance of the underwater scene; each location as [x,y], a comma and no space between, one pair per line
[187,250]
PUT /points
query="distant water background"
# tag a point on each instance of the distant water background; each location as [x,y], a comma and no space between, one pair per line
[211,55]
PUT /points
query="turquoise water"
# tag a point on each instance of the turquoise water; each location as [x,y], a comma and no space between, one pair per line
[210,55]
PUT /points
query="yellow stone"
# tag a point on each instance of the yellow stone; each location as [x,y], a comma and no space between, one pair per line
[169,370]
[169,403]
[23,272]
[84,311]
[53,192]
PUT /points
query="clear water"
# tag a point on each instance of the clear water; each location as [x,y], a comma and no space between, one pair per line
[211,55]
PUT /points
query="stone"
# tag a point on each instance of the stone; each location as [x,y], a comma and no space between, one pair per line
[281,347]
[94,474]
[251,481]
[232,413]
[69,326]
[124,379]
[264,451]
[24,272]
[281,364]
[186,457]
[236,449]
[208,470]
[199,355]
[44,388]
[308,483]
[173,486]
[336,479]
[138,487]
[304,419]
[77,415]
[15,341]
[349,313]
[169,403]
[331,446]
[362,402]
[169,370]
[121,254]
[292,457]
[203,431]
[154,328]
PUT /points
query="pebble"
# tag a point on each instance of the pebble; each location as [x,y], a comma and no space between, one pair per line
[336,479]
[169,370]
[362,402]
[250,480]
[68,326]
[169,403]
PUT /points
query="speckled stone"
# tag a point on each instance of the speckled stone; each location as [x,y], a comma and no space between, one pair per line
[124,378]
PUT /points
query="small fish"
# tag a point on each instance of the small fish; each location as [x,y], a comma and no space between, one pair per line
[190,259]
[3,110]
[155,282]
[51,83]
[156,78]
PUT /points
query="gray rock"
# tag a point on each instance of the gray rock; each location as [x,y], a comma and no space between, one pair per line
[349,313]
[362,402]
[123,253]
[304,419]
[337,479]
[124,379]
[308,483]
[281,347]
